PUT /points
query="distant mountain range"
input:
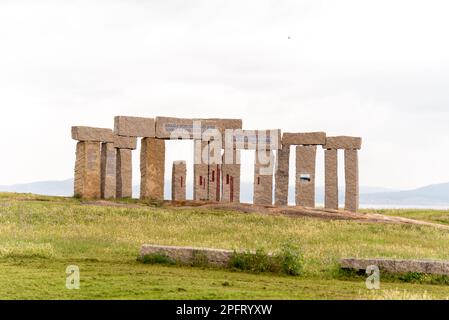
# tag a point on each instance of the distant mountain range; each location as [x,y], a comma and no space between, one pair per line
[436,195]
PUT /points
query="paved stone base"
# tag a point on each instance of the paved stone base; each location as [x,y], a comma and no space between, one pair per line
[399,266]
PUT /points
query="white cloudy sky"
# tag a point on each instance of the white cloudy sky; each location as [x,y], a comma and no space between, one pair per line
[376,69]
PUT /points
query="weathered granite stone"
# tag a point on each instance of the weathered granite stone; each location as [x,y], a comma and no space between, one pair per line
[398,266]
[125,142]
[305,176]
[189,255]
[282,176]
[343,143]
[108,171]
[255,139]
[88,170]
[181,128]
[304,138]
[331,179]
[263,177]
[152,169]
[231,176]
[124,173]
[134,127]
[92,134]
[200,170]
[352,180]
[179,174]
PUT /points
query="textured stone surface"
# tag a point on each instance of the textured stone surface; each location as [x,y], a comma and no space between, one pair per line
[134,127]
[231,176]
[181,128]
[398,266]
[200,172]
[108,171]
[282,176]
[152,169]
[179,175]
[255,139]
[92,134]
[343,142]
[189,255]
[305,176]
[124,173]
[304,138]
[331,179]
[88,170]
[125,142]
[263,177]
[352,180]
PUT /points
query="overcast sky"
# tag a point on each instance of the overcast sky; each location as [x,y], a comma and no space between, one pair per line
[376,69]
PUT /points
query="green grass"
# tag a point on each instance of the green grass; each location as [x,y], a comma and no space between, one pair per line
[435,216]
[41,236]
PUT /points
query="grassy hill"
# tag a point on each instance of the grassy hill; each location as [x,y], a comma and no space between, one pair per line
[40,236]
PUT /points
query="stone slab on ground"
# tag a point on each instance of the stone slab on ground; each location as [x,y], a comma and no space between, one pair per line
[189,255]
[398,266]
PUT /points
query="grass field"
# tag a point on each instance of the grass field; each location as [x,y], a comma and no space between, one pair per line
[40,236]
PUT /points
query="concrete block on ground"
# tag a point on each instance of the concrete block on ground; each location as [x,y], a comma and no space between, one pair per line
[305,176]
[91,134]
[152,169]
[134,127]
[398,266]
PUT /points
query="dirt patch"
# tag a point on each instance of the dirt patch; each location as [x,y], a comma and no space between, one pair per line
[293,211]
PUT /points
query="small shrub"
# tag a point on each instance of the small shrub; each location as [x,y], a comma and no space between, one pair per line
[156,258]
[291,260]
[199,259]
[249,261]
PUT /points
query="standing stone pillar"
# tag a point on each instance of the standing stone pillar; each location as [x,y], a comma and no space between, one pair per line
[263,177]
[331,179]
[152,169]
[305,176]
[88,170]
[124,174]
[200,171]
[231,177]
[352,180]
[282,176]
[108,170]
[214,170]
[179,175]
[351,145]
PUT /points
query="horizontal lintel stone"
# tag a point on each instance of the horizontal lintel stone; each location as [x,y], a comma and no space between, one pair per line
[91,134]
[343,142]
[304,138]
[125,142]
[255,139]
[182,128]
[134,127]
